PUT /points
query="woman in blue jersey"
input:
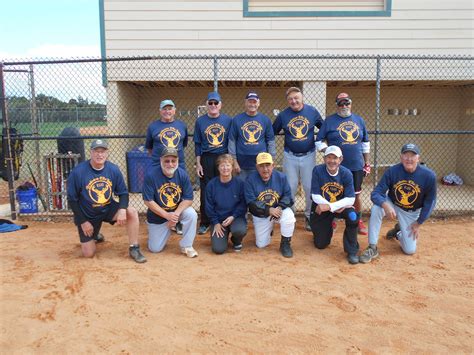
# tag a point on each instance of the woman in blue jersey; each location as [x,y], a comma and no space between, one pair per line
[226,207]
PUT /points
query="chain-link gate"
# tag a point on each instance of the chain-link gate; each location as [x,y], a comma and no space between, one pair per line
[426,100]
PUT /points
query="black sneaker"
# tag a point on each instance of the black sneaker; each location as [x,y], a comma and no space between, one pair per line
[285,247]
[203,229]
[136,254]
[100,238]
[237,248]
[392,233]
[179,228]
[352,259]
[307,225]
[369,254]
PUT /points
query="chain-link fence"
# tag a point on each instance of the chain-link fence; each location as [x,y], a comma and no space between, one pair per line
[426,100]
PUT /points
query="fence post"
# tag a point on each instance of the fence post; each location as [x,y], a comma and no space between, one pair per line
[216,74]
[34,124]
[377,119]
[8,151]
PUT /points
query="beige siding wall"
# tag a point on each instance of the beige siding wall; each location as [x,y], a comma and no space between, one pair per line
[162,27]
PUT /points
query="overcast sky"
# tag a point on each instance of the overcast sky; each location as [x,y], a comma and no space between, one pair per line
[49,28]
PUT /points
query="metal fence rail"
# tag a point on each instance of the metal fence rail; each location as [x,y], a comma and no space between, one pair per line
[428,100]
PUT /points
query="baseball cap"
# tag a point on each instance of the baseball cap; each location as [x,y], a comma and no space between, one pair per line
[166,103]
[252,96]
[264,158]
[99,143]
[214,96]
[333,149]
[343,97]
[169,151]
[411,147]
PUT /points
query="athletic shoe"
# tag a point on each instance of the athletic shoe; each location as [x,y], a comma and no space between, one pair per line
[100,238]
[369,254]
[190,252]
[237,248]
[352,259]
[285,247]
[307,225]
[136,254]
[362,230]
[179,228]
[203,229]
[392,233]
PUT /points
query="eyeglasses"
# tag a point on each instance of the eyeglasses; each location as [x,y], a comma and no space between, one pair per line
[342,104]
[212,103]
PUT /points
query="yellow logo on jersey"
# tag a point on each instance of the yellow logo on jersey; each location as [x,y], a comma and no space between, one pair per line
[100,191]
[331,191]
[215,134]
[269,196]
[252,131]
[170,195]
[169,137]
[349,132]
[299,127]
[406,193]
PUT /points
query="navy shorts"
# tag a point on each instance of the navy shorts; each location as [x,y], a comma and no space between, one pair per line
[97,223]
[358,179]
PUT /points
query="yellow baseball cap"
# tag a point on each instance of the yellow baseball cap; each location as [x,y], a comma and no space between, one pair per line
[264,158]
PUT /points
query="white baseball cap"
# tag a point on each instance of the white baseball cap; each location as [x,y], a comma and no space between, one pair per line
[333,149]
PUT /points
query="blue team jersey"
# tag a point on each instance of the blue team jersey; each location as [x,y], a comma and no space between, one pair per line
[298,127]
[160,135]
[347,133]
[409,191]
[225,199]
[166,192]
[94,189]
[211,135]
[271,192]
[332,188]
[251,135]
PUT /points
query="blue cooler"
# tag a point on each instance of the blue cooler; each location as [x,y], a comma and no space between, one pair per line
[138,163]
[28,200]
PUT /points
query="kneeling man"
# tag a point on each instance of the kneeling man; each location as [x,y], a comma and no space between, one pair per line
[268,196]
[411,198]
[332,191]
[168,194]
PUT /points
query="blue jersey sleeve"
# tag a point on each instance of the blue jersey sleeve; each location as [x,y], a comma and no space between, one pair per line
[430,199]
[149,138]
[348,183]
[187,187]
[148,191]
[277,125]
[379,194]
[197,139]
[211,203]
[315,183]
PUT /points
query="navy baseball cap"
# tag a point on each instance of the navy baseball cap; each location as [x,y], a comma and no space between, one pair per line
[99,143]
[165,103]
[252,96]
[411,147]
[214,96]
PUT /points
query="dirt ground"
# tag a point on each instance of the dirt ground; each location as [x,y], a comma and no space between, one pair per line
[54,301]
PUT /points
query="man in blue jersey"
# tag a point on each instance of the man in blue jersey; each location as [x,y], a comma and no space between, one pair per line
[332,191]
[251,133]
[167,133]
[298,122]
[348,131]
[211,136]
[269,200]
[411,198]
[168,194]
[90,190]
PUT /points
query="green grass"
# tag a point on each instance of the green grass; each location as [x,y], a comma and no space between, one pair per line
[55,128]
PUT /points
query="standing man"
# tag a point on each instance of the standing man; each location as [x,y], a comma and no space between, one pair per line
[268,197]
[166,133]
[211,137]
[251,133]
[411,199]
[348,132]
[299,156]
[168,194]
[332,190]
[91,185]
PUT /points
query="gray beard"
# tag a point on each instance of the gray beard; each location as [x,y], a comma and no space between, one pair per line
[172,171]
[344,113]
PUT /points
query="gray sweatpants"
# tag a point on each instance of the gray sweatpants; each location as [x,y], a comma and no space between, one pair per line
[405,220]
[158,234]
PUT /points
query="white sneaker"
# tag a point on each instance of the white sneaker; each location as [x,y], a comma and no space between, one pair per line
[190,252]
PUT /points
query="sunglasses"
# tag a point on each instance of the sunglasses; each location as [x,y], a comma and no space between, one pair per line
[212,103]
[342,104]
